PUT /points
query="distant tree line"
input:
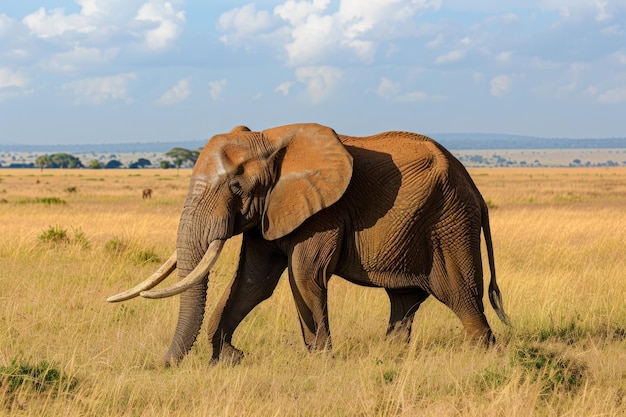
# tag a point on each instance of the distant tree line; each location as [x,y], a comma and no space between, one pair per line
[178,157]
[58,160]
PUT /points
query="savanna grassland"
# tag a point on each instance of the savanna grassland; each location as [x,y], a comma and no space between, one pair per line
[70,238]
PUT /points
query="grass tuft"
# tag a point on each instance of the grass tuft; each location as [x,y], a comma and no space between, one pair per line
[120,248]
[555,372]
[54,235]
[39,377]
[43,200]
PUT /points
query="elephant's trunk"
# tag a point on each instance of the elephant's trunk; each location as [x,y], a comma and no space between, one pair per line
[191,312]
[193,288]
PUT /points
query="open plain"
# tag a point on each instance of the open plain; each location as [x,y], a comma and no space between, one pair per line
[70,238]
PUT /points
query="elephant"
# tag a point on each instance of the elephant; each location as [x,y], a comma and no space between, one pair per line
[147,193]
[394,210]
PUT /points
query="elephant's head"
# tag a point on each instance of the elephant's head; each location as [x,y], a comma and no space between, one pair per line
[272,180]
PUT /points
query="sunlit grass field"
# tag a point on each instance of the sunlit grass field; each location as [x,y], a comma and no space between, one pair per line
[70,238]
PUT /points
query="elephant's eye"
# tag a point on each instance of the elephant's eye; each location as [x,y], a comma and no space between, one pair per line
[235,187]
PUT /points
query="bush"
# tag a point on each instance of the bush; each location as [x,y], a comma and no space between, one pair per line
[58,235]
[146,256]
[118,247]
[115,246]
[54,234]
[40,377]
[44,200]
[555,372]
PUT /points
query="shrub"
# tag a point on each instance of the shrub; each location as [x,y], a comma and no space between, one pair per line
[491,204]
[555,372]
[115,246]
[43,200]
[146,256]
[118,247]
[40,377]
[54,234]
[59,235]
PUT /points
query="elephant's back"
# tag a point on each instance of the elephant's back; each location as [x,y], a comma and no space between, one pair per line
[409,152]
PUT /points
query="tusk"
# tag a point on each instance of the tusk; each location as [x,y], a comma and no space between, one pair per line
[163,272]
[200,272]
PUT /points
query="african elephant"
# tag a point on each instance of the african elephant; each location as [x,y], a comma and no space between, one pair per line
[147,193]
[394,210]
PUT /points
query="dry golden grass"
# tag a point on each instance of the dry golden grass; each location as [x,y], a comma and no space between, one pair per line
[559,237]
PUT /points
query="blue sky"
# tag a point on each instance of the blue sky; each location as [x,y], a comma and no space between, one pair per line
[110,71]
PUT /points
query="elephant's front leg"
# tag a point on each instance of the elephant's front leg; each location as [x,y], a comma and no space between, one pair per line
[309,266]
[260,268]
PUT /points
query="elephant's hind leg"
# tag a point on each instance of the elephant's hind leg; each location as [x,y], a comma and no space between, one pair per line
[457,281]
[404,304]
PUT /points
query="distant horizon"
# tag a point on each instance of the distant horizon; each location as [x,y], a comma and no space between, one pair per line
[452,140]
[469,135]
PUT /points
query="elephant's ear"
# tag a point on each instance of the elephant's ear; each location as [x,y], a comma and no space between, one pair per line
[313,171]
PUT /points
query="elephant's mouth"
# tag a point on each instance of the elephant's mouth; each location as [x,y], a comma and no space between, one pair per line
[200,272]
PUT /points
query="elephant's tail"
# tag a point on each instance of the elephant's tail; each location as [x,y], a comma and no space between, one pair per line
[494,292]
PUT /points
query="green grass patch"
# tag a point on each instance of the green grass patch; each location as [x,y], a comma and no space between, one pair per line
[491,204]
[57,235]
[536,364]
[54,235]
[554,371]
[39,377]
[43,200]
[120,248]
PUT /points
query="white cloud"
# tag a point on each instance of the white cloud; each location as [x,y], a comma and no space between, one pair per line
[79,57]
[284,88]
[413,96]
[297,12]
[176,94]
[311,31]
[602,14]
[156,22]
[504,56]
[387,88]
[320,81]
[452,56]
[612,96]
[500,85]
[169,23]
[568,9]
[98,90]
[47,24]
[217,88]
[391,90]
[436,42]
[10,78]
[6,24]
[243,22]
[620,56]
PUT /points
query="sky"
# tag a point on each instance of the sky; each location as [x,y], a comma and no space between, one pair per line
[116,71]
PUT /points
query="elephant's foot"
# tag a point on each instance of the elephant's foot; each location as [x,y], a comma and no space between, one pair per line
[481,336]
[171,360]
[399,332]
[228,354]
